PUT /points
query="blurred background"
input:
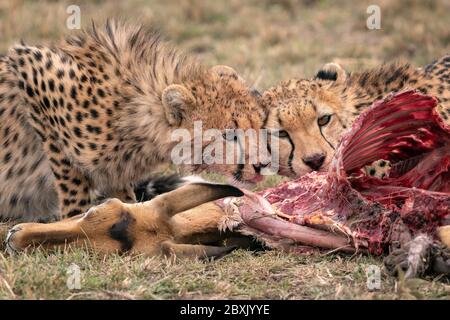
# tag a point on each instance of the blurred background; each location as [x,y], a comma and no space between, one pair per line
[265,40]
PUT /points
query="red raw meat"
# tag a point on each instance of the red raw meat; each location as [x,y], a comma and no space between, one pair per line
[346,209]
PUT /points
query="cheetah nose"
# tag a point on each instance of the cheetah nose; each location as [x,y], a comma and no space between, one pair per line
[315,161]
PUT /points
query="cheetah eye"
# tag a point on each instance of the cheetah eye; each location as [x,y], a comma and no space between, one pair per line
[229,135]
[282,134]
[324,120]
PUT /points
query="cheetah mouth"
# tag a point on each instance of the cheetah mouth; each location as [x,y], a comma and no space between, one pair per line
[342,209]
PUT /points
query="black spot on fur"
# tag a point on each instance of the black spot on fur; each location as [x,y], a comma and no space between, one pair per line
[7,157]
[65,162]
[54,148]
[94,113]
[73,92]
[30,91]
[64,187]
[77,132]
[76,181]
[46,103]
[72,74]
[86,104]
[51,85]
[79,117]
[100,92]
[48,65]
[37,55]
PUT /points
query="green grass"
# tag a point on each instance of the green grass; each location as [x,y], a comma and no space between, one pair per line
[266,41]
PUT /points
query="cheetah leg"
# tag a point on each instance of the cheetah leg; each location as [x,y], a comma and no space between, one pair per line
[72,187]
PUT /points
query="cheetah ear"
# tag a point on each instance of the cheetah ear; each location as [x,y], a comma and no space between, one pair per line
[177,100]
[332,72]
[226,71]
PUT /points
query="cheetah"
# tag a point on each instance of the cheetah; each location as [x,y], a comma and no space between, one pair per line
[310,116]
[92,116]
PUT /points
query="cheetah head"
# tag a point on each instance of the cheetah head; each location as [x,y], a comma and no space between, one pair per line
[222,118]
